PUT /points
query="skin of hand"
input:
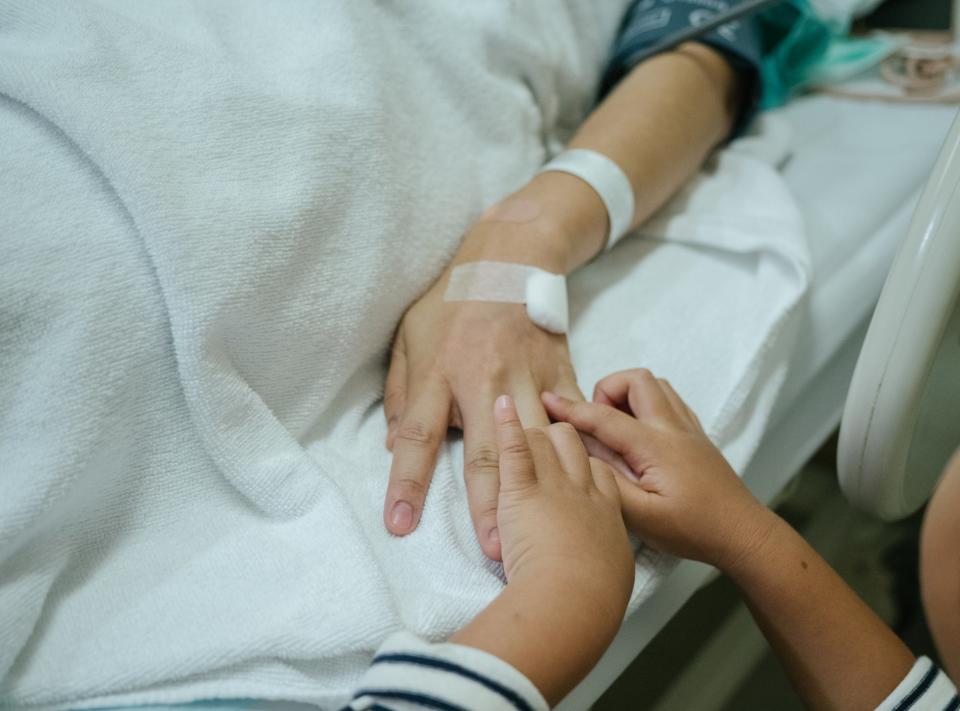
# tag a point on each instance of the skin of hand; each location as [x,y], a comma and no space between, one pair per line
[566,555]
[684,498]
[450,359]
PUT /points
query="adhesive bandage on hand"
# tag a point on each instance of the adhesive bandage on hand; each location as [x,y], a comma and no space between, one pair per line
[544,293]
[607,180]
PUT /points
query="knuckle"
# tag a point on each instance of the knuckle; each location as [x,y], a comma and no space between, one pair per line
[485,509]
[643,374]
[483,458]
[535,434]
[515,449]
[512,422]
[409,488]
[417,433]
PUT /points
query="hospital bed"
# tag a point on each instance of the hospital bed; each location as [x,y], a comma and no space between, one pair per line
[857,170]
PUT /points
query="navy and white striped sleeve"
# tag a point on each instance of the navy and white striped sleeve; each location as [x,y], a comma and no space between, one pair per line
[924,688]
[408,674]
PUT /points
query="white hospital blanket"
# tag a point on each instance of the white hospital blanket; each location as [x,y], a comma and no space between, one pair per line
[212,217]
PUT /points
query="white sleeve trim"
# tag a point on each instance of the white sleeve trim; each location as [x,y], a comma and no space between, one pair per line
[924,687]
[405,667]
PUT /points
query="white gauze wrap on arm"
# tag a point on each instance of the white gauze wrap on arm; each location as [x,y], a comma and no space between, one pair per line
[544,293]
[607,180]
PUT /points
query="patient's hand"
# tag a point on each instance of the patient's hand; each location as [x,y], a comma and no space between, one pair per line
[450,361]
[685,499]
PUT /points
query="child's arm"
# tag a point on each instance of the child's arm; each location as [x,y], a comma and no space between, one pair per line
[688,501]
[569,570]
[836,651]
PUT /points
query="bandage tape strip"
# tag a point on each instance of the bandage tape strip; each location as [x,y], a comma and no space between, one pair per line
[607,180]
[544,293]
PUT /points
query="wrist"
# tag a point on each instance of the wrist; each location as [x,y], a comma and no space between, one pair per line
[571,211]
[569,226]
[533,243]
[754,545]
[572,591]
[547,627]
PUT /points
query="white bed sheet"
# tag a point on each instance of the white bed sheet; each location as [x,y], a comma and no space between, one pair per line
[856,170]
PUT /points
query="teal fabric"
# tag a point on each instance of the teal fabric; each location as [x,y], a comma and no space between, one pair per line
[848,56]
[795,41]
[800,48]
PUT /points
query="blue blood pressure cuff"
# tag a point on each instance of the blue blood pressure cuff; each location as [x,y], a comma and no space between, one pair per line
[739,42]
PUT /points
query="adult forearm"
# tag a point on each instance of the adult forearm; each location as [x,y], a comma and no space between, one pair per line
[662,120]
[658,125]
[836,651]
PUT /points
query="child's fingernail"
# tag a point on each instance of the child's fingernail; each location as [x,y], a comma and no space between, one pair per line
[503,403]
[552,398]
[401,516]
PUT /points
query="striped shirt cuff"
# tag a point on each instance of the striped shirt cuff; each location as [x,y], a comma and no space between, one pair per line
[924,687]
[410,674]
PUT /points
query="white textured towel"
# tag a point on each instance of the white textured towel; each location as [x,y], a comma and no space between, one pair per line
[212,217]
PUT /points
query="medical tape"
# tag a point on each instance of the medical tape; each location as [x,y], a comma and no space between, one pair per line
[608,181]
[544,293]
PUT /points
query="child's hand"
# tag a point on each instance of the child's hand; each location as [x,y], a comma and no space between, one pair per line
[685,500]
[565,551]
[559,511]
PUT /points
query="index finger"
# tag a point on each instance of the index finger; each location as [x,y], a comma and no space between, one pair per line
[614,428]
[415,447]
[637,389]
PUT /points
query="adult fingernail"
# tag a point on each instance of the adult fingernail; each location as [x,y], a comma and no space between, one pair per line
[401,516]
[503,402]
